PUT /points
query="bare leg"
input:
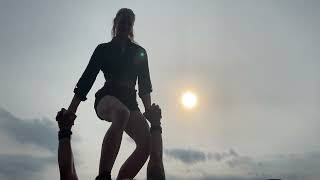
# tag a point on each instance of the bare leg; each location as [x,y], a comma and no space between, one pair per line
[138,129]
[112,109]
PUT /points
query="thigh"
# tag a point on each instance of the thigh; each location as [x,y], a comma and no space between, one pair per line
[138,128]
[107,105]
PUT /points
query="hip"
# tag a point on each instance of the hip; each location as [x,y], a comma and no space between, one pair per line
[126,95]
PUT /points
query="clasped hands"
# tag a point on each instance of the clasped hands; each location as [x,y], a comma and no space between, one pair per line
[66,118]
[153,115]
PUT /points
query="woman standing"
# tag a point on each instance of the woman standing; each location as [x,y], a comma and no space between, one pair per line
[123,63]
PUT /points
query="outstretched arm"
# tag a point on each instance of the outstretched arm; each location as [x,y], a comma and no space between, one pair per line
[86,80]
[144,82]
[74,104]
[155,169]
[65,121]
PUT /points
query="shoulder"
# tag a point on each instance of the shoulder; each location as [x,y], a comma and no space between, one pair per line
[138,47]
[103,45]
[102,48]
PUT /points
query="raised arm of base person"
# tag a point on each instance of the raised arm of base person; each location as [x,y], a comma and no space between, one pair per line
[155,169]
[65,120]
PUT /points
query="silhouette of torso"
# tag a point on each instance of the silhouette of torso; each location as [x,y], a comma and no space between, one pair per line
[121,70]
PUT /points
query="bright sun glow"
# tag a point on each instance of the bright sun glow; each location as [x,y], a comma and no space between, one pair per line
[189,100]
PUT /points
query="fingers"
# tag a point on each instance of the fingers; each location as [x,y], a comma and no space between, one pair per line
[154,112]
[154,106]
[59,115]
[70,115]
[63,113]
[65,119]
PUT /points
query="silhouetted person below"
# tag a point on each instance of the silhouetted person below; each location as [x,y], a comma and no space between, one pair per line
[65,119]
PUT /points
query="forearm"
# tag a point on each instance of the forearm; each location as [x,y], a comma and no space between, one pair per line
[155,169]
[65,157]
[65,121]
[146,99]
[156,147]
[74,104]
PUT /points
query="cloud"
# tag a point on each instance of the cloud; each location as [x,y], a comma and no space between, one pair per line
[186,156]
[285,166]
[23,166]
[189,156]
[42,133]
[222,156]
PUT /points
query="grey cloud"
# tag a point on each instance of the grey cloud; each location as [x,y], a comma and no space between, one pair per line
[42,133]
[233,153]
[222,156]
[189,156]
[23,166]
[186,156]
[285,166]
[240,160]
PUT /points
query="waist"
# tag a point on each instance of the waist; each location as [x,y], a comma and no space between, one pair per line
[121,84]
[117,88]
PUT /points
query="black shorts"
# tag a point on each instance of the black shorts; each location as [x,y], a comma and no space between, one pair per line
[127,96]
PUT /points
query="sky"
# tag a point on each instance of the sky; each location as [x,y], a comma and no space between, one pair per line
[254,66]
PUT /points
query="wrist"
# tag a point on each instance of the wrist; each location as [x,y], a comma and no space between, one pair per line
[72,109]
[156,128]
[147,108]
[155,123]
[64,133]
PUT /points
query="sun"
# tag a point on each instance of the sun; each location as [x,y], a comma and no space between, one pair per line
[189,99]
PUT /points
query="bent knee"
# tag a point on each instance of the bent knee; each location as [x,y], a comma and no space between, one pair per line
[120,117]
[122,113]
[115,113]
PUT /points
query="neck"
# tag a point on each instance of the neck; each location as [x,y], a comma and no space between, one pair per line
[121,38]
[121,41]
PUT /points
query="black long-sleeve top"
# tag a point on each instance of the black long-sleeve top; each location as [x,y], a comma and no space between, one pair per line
[116,66]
